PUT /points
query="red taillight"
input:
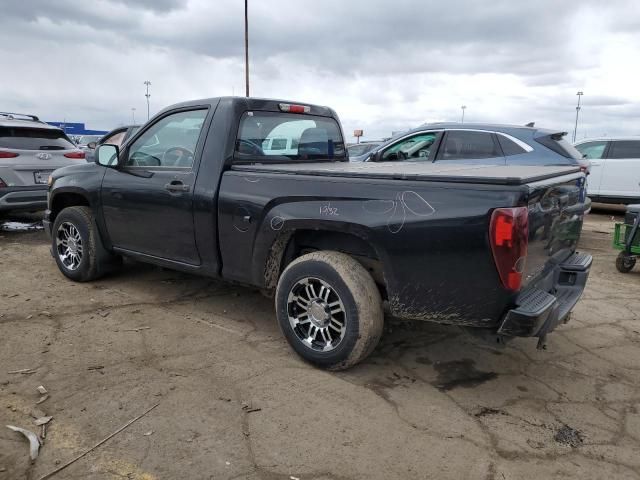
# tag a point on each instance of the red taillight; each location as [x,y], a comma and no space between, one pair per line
[2,184]
[5,154]
[78,154]
[509,238]
[286,107]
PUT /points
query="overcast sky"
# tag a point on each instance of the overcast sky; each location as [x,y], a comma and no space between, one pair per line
[383,65]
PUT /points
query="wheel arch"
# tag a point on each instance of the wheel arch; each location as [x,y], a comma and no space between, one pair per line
[70,197]
[291,244]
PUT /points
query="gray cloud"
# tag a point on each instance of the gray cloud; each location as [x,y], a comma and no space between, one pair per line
[384,65]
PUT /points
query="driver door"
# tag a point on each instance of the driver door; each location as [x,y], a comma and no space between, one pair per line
[147,201]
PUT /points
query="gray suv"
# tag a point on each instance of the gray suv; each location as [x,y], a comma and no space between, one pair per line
[29,151]
[475,143]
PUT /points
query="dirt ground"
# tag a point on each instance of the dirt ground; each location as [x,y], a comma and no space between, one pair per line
[235,402]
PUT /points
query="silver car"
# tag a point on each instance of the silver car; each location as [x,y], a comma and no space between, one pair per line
[29,151]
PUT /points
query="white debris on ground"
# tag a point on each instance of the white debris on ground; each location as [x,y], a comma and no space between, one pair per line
[20,226]
[34,441]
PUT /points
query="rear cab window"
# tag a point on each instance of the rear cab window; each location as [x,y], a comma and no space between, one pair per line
[273,137]
[28,138]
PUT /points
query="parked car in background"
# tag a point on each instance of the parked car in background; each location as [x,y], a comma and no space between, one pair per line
[30,150]
[615,169]
[478,144]
[358,149]
[117,136]
[194,190]
[84,140]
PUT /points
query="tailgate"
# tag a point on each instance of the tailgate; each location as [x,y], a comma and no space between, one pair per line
[556,212]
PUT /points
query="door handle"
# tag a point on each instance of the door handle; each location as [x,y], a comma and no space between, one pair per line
[595,164]
[177,186]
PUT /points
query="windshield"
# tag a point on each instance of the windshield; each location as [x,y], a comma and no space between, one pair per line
[282,137]
[86,139]
[361,149]
[34,139]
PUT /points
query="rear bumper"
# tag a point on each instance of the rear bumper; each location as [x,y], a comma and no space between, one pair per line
[541,308]
[32,197]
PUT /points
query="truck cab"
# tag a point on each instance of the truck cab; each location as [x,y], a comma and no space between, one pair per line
[201,189]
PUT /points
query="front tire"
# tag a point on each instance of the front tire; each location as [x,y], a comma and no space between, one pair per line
[329,309]
[76,245]
[625,263]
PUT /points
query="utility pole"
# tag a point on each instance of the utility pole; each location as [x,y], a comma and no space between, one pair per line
[575,129]
[463,107]
[246,46]
[133,115]
[147,83]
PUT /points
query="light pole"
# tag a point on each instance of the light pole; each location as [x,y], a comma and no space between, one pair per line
[575,129]
[133,115]
[463,107]
[246,46]
[147,83]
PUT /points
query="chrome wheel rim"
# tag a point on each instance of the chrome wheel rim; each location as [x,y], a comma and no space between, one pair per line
[316,314]
[69,246]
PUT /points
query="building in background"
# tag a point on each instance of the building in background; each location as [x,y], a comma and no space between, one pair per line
[75,128]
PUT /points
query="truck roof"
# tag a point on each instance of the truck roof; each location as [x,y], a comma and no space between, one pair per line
[252,103]
[422,171]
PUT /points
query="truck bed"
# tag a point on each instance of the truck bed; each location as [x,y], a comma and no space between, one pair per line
[423,171]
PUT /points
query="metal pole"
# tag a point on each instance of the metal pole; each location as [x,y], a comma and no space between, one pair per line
[463,107]
[147,83]
[575,129]
[246,46]
[133,115]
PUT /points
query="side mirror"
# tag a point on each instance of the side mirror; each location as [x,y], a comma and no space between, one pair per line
[107,155]
[92,145]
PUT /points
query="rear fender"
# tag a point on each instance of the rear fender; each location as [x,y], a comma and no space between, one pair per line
[282,222]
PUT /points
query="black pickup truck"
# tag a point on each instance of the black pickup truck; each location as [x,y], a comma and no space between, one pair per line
[260,192]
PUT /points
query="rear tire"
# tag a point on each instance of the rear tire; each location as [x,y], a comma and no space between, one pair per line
[76,246]
[625,263]
[329,309]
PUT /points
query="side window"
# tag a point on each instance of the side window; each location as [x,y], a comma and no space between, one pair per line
[463,145]
[509,147]
[170,142]
[116,138]
[416,148]
[593,150]
[625,149]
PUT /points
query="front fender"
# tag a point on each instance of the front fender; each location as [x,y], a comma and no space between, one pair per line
[81,184]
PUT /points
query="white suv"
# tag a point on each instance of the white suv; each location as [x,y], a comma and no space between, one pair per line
[29,151]
[615,169]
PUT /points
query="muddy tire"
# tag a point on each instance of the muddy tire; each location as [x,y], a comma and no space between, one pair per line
[77,248]
[625,263]
[329,309]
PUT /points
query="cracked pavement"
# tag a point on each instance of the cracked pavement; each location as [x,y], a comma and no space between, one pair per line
[236,402]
